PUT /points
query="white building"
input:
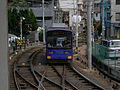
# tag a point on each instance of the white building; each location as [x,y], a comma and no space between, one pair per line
[68,5]
[71,6]
[115,18]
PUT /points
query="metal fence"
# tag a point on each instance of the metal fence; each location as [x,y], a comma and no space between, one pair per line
[106,61]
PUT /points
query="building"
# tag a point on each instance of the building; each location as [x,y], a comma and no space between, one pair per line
[36,6]
[111,18]
[68,6]
[106,18]
[96,10]
[115,18]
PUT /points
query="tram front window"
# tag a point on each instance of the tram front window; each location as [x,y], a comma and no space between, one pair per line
[59,42]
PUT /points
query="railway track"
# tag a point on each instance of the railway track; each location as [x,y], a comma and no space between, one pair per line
[23,75]
[67,77]
[29,75]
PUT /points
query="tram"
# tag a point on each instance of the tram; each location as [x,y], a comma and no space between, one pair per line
[59,45]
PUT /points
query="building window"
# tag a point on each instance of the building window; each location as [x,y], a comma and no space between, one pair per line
[117,16]
[108,16]
[96,5]
[117,2]
[96,14]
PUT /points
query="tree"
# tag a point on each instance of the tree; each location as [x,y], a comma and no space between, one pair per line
[14,14]
[99,28]
[20,3]
[13,22]
[30,23]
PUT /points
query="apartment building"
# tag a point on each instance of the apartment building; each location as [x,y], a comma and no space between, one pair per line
[115,18]
[106,17]
[96,10]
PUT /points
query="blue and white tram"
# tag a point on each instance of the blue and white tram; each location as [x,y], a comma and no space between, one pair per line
[59,45]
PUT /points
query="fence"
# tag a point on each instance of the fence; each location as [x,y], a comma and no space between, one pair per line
[105,60]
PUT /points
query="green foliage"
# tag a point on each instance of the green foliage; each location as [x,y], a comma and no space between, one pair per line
[99,28]
[13,22]
[19,3]
[29,24]
[20,9]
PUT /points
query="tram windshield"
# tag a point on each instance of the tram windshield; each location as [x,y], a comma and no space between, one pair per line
[59,39]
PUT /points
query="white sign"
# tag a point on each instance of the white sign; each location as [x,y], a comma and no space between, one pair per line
[68,3]
[39,29]
[76,18]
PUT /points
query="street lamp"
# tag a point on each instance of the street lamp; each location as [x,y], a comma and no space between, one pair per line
[21,19]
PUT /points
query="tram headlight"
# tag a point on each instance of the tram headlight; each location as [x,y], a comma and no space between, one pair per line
[69,57]
[49,57]
[51,52]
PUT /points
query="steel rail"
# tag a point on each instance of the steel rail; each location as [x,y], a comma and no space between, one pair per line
[15,77]
[16,72]
[93,83]
[49,80]
[40,86]
[26,79]
[65,79]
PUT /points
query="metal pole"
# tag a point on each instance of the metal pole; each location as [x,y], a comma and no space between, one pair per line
[76,12]
[4,81]
[93,32]
[77,31]
[43,21]
[53,12]
[89,9]
[21,27]
[103,26]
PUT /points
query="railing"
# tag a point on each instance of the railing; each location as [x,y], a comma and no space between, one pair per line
[107,61]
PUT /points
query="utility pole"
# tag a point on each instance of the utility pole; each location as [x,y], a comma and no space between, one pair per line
[93,32]
[89,38]
[43,8]
[4,81]
[103,26]
[53,12]
[76,29]
[75,18]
